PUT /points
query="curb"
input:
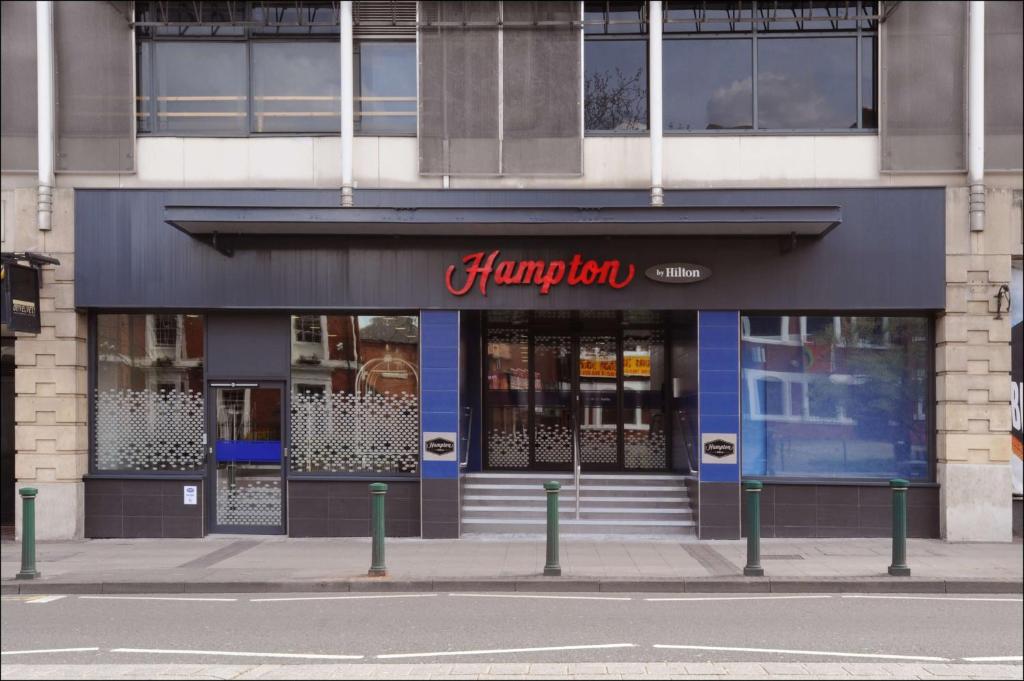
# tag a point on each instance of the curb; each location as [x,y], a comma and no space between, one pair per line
[530,585]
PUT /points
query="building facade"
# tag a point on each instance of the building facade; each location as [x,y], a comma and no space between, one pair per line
[648,249]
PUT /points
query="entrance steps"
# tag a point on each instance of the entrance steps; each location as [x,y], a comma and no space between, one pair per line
[634,504]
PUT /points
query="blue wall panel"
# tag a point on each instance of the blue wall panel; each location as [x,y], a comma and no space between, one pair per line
[439,387]
[719,394]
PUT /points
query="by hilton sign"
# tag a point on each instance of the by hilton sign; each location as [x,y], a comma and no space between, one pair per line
[678,273]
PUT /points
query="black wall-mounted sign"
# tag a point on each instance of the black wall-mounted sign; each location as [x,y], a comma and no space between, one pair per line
[678,273]
[20,293]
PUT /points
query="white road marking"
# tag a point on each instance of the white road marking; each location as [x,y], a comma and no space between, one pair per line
[1004,658]
[823,653]
[48,650]
[571,598]
[739,598]
[449,653]
[236,653]
[937,598]
[336,598]
[44,599]
[158,598]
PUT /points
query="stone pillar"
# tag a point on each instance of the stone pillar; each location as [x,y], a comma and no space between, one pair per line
[972,363]
[50,379]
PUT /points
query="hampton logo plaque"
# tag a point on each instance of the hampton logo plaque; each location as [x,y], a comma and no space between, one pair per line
[718,448]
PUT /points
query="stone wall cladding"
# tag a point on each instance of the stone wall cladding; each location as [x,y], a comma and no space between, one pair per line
[972,361]
[50,379]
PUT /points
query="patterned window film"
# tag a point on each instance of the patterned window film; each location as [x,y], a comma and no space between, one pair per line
[355,394]
[148,401]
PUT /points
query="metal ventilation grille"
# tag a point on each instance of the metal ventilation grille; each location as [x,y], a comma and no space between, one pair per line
[923,87]
[384,18]
[95,88]
[1004,62]
[18,112]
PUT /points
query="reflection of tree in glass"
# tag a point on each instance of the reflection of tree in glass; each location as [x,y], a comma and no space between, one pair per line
[615,101]
[880,379]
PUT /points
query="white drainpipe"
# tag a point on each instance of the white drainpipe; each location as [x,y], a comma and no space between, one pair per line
[976,115]
[347,111]
[654,88]
[45,111]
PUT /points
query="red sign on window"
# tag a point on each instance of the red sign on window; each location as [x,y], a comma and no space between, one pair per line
[481,267]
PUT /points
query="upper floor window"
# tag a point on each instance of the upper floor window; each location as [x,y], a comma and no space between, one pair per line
[772,66]
[615,66]
[220,68]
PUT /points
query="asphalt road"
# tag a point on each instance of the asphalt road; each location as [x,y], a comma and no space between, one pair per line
[455,628]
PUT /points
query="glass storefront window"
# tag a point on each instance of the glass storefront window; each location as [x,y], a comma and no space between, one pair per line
[148,402]
[386,88]
[200,87]
[295,87]
[355,394]
[507,399]
[835,397]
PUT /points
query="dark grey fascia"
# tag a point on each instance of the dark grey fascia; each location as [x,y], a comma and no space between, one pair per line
[749,221]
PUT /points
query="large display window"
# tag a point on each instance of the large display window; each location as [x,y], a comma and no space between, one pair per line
[836,396]
[355,382]
[148,396]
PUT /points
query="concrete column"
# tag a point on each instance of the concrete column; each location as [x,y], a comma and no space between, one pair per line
[50,381]
[973,373]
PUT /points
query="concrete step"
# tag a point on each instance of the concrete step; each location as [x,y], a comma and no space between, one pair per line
[570,527]
[516,499]
[521,511]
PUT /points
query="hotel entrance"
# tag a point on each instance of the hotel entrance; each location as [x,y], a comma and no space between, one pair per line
[600,392]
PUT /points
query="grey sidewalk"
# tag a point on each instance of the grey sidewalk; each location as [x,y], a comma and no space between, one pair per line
[511,671]
[247,563]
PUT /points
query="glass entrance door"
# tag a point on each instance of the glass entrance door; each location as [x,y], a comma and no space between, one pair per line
[247,485]
[598,359]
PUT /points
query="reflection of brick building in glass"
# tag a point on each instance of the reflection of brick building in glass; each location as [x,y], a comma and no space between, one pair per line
[835,395]
[151,352]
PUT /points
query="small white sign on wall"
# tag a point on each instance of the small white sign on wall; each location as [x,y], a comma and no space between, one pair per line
[191,495]
[439,446]
[719,448]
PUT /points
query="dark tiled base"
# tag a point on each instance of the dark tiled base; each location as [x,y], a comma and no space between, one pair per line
[338,508]
[821,511]
[133,508]
[719,510]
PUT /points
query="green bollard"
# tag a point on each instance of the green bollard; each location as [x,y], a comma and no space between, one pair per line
[899,567]
[28,533]
[377,567]
[753,567]
[551,566]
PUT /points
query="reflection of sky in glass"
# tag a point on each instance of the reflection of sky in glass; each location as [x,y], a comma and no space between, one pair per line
[616,84]
[707,84]
[807,83]
[193,69]
[387,70]
[306,69]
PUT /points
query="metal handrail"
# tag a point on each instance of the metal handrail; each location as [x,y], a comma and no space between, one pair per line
[576,454]
[464,454]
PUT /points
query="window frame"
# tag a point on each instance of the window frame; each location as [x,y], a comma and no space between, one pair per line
[859,33]
[146,117]
[288,388]
[92,380]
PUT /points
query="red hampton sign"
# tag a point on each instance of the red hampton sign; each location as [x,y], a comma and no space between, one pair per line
[480,267]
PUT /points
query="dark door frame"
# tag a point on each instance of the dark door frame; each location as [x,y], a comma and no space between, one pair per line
[574,328]
[210,493]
